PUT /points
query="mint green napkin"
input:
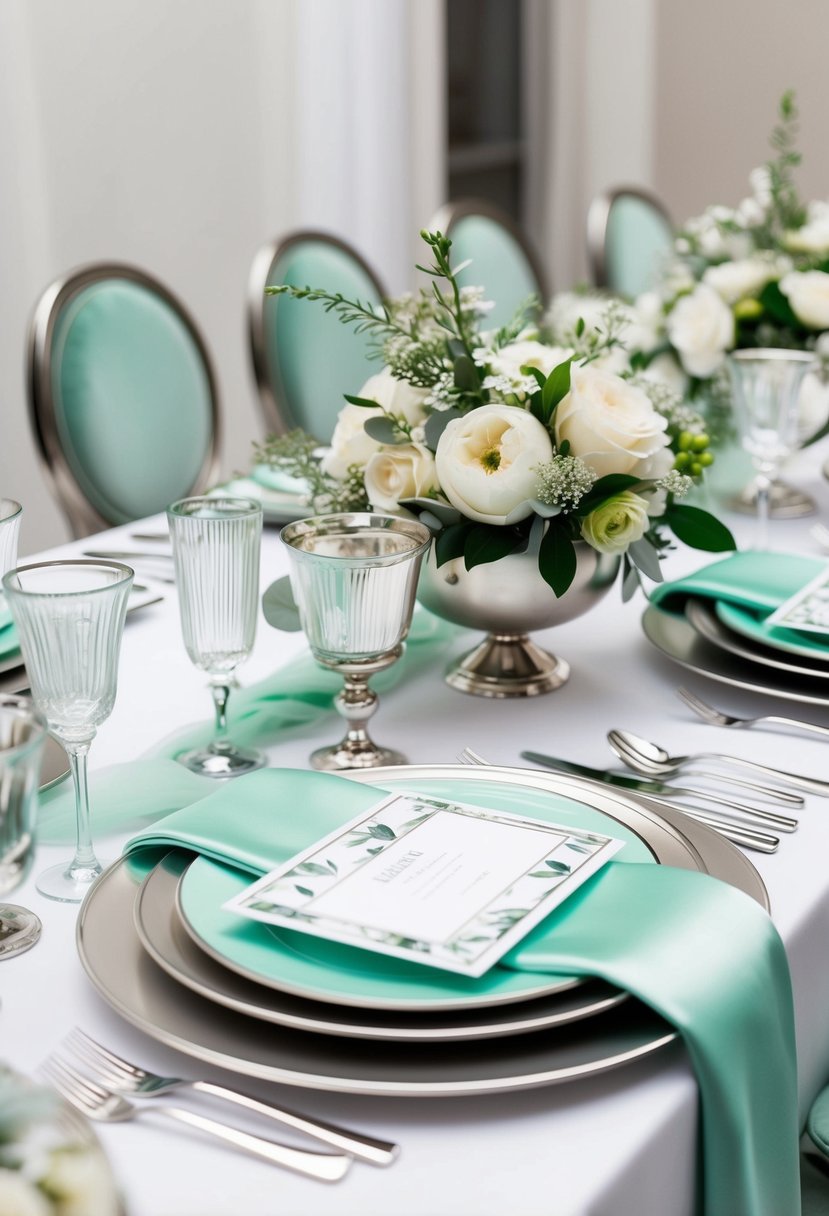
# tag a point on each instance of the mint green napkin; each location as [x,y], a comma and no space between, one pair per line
[294,696]
[9,640]
[761,581]
[700,953]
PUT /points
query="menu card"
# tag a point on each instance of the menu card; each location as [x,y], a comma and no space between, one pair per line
[446,884]
[807,609]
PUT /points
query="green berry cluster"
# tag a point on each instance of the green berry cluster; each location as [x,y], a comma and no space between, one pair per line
[694,453]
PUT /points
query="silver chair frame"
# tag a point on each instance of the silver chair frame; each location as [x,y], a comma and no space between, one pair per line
[83,517]
[275,410]
[598,217]
[447,216]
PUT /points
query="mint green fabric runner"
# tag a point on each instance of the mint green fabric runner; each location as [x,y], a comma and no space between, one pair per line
[139,791]
[757,580]
[700,953]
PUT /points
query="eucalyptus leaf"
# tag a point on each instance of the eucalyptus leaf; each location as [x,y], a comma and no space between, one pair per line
[631,581]
[467,376]
[380,831]
[642,554]
[436,424]
[544,509]
[442,510]
[430,521]
[384,430]
[279,606]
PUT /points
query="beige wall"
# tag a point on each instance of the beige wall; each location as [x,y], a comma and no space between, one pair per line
[721,66]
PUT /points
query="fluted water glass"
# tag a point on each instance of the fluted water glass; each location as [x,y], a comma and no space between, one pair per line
[766,384]
[354,578]
[70,617]
[22,735]
[216,545]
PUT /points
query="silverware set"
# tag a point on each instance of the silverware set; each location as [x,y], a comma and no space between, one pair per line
[94,1080]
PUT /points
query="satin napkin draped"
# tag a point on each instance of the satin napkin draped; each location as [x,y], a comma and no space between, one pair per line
[700,953]
[759,581]
[296,695]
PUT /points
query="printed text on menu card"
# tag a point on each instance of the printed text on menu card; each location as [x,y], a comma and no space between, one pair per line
[442,883]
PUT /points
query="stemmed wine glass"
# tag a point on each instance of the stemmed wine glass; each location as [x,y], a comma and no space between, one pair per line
[766,384]
[70,617]
[354,579]
[22,735]
[216,543]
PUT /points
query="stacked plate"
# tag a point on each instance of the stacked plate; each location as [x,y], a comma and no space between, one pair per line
[283,498]
[283,1006]
[733,645]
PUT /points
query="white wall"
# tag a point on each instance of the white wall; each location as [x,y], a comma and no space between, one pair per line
[181,136]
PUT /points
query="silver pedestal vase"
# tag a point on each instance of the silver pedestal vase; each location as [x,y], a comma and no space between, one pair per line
[509,599]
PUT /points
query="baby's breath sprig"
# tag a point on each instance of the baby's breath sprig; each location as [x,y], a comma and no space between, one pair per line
[563,481]
[295,454]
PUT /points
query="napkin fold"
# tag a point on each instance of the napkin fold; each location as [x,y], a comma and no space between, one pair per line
[294,696]
[758,580]
[700,953]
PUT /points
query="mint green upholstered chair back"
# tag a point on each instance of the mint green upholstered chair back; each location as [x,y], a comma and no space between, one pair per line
[305,358]
[630,237]
[501,258]
[122,397]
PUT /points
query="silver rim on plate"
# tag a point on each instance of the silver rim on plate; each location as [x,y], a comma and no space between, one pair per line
[702,617]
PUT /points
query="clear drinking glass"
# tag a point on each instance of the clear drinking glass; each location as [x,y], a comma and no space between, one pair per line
[70,617]
[22,735]
[11,513]
[216,543]
[354,578]
[766,385]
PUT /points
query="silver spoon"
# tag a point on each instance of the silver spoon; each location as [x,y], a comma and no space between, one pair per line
[653,761]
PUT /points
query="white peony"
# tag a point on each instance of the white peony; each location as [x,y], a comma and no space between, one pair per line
[19,1197]
[400,472]
[349,443]
[813,236]
[608,422]
[487,461]
[808,294]
[508,361]
[701,329]
[746,277]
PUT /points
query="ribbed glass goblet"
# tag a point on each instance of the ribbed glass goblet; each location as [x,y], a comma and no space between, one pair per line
[216,543]
[11,513]
[22,735]
[70,617]
[354,579]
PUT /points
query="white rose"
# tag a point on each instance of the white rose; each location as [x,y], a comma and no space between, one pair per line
[701,329]
[401,472]
[608,422]
[813,236]
[349,443]
[83,1182]
[18,1197]
[487,461]
[735,281]
[654,467]
[808,294]
[664,369]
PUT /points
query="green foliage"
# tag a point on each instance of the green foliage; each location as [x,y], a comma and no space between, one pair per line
[279,606]
[557,557]
[699,529]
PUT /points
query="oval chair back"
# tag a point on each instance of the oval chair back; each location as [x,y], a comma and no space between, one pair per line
[502,259]
[305,358]
[122,396]
[629,237]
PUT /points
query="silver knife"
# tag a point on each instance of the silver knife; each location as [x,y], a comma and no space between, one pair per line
[739,833]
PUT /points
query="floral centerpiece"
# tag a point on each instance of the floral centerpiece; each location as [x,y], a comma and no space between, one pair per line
[46,1168]
[503,441]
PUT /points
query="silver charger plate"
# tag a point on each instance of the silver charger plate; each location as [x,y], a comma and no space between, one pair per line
[161,933]
[702,617]
[675,637]
[132,984]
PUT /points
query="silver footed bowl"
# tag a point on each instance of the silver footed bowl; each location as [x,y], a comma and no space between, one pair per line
[509,599]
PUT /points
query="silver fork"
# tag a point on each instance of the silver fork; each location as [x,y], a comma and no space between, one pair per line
[123,1077]
[103,1105]
[717,718]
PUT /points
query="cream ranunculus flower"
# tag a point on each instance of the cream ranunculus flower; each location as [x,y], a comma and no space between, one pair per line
[19,1196]
[808,294]
[402,472]
[617,523]
[701,329]
[608,422]
[349,443]
[746,277]
[487,461]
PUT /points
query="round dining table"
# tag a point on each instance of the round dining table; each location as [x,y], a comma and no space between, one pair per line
[621,1143]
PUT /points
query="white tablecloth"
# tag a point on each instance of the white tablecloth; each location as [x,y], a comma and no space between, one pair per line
[622,1143]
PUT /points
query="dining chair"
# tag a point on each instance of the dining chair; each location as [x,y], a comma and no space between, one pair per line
[122,397]
[503,261]
[304,358]
[629,234]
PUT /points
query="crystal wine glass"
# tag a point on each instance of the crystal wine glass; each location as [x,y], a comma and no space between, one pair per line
[216,543]
[354,579]
[766,384]
[22,734]
[70,617]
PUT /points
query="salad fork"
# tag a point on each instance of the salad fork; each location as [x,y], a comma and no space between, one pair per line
[121,1076]
[717,718]
[107,1107]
